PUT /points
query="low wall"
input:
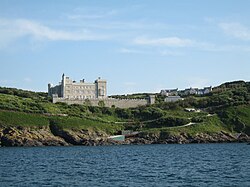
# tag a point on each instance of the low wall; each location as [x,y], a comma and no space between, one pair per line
[109,102]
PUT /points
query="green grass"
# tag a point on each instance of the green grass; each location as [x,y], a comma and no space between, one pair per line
[75,123]
[8,118]
[237,118]
[16,103]
[182,113]
[24,108]
[243,112]
[210,126]
[51,108]
[12,118]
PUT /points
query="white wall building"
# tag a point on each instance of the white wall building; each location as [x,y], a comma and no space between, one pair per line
[69,89]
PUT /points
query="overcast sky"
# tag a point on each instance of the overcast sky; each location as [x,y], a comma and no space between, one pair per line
[136,45]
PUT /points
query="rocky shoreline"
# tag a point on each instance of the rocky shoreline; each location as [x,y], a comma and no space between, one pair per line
[53,136]
[183,138]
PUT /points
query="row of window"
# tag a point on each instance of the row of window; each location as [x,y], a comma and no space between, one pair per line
[81,87]
[81,91]
[80,97]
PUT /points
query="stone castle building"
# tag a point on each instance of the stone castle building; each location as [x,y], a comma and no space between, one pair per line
[94,94]
[69,89]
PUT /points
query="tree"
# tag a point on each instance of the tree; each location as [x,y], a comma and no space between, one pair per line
[101,104]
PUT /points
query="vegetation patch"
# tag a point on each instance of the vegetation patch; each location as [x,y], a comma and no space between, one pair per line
[210,126]
[10,118]
[75,123]
[226,108]
[237,118]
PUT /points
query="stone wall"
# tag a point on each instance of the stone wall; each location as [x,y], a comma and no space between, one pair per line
[108,102]
[70,89]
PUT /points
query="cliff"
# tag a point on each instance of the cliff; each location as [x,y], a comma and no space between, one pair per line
[53,136]
[184,138]
[31,119]
[50,136]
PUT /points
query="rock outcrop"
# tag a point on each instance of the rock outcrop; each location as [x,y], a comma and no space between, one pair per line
[26,136]
[183,138]
[50,136]
[81,137]
[54,136]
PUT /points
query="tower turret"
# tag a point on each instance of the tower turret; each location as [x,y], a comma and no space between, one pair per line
[63,85]
[49,90]
[101,88]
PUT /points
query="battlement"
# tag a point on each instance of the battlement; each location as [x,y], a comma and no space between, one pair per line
[107,102]
[70,89]
[94,94]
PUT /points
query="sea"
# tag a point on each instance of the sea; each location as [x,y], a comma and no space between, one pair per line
[127,165]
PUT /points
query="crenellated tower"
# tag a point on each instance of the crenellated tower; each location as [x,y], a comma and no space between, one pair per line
[101,88]
[63,85]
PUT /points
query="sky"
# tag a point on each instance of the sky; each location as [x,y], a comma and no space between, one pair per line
[136,45]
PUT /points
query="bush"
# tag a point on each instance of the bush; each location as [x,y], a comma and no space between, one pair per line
[197,119]
[123,113]
[169,122]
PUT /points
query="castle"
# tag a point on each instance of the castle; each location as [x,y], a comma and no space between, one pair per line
[94,94]
[69,89]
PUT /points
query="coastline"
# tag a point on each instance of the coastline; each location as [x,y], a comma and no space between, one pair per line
[51,136]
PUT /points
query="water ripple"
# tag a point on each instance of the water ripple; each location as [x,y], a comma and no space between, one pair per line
[143,165]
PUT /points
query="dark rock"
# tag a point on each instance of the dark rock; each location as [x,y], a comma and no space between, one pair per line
[54,136]
[25,136]
[243,138]
[183,138]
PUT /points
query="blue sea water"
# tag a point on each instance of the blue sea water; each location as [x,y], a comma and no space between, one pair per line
[127,165]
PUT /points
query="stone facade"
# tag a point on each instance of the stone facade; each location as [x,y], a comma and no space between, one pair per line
[69,89]
[94,94]
[108,102]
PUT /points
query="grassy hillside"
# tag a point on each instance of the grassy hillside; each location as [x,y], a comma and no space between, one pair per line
[20,119]
[237,118]
[11,118]
[76,123]
[211,125]
[229,104]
